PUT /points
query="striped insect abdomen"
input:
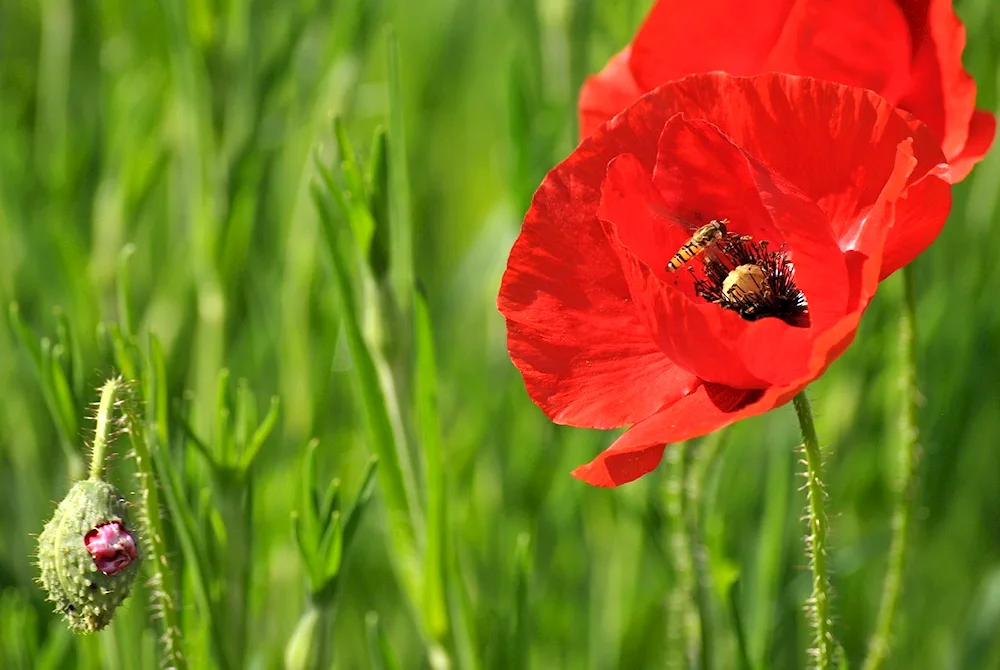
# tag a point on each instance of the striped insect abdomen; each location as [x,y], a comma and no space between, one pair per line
[704,237]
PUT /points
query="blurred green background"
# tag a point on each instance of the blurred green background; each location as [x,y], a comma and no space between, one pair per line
[190,130]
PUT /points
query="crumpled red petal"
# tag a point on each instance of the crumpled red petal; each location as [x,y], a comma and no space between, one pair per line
[708,408]
[639,450]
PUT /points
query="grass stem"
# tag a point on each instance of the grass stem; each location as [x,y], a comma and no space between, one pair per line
[909,458]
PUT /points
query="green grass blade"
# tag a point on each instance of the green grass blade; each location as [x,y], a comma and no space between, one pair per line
[400,216]
[380,410]
[225,448]
[429,433]
[124,293]
[353,519]
[124,352]
[260,435]
[63,403]
[767,575]
[377,185]
[71,344]
[380,652]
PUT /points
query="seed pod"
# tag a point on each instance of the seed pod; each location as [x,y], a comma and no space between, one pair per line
[88,554]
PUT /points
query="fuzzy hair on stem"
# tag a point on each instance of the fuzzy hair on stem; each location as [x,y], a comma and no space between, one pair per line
[818,605]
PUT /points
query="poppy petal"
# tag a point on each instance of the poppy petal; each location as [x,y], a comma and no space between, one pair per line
[680,38]
[608,92]
[696,160]
[698,163]
[862,43]
[941,92]
[982,131]
[645,223]
[865,252]
[796,120]
[572,329]
[639,450]
[920,216]
[710,407]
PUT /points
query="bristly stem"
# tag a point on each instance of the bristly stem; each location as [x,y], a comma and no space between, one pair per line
[701,458]
[684,623]
[154,542]
[818,609]
[109,393]
[905,488]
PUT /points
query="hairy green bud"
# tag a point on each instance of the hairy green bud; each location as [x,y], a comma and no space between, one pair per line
[88,554]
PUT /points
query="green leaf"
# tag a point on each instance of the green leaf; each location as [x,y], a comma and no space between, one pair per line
[67,338]
[68,433]
[765,586]
[245,416]
[124,292]
[460,606]
[382,655]
[331,548]
[195,441]
[520,635]
[308,552]
[353,198]
[377,181]
[428,430]
[157,400]
[400,218]
[312,528]
[734,614]
[225,449]
[124,352]
[25,336]
[381,411]
[62,404]
[842,662]
[353,519]
[330,502]
[260,435]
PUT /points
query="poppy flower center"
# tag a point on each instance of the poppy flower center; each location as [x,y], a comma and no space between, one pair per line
[744,275]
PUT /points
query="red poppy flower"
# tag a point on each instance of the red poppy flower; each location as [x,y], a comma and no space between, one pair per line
[907,51]
[826,189]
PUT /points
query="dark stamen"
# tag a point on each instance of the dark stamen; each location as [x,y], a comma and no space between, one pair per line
[748,278]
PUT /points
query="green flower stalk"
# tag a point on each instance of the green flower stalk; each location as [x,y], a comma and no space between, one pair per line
[88,551]
[819,602]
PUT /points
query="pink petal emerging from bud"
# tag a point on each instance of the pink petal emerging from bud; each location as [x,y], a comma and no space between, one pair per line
[111,546]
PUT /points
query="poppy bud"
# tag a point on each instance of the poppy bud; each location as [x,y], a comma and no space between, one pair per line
[88,556]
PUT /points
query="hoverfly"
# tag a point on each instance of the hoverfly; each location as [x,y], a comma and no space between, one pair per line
[703,238]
